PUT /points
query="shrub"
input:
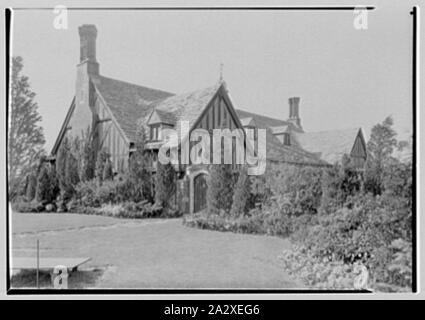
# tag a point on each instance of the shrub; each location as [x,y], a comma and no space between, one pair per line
[338,183]
[102,157]
[71,175]
[138,171]
[255,223]
[318,273]
[108,173]
[130,210]
[296,190]
[31,187]
[363,230]
[61,159]
[400,267]
[220,188]
[242,195]
[86,155]
[86,193]
[165,185]
[20,205]
[47,185]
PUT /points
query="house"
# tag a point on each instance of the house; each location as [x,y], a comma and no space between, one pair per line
[115,110]
[329,146]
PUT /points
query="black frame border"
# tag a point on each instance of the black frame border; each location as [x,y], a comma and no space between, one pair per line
[10,291]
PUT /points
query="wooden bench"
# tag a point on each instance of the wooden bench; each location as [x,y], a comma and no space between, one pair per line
[47,264]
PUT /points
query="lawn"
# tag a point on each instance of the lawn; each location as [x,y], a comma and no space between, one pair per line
[153,253]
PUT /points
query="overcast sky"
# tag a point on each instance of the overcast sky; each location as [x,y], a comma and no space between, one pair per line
[345,77]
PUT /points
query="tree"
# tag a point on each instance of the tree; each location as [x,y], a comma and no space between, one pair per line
[31,186]
[26,138]
[164,184]
[100,165]
[380,149]
[338,183]
[47,186]
[241,197]
[61,158]
[139,174]
[220,188]
[86,156]
[108,173]
[71,175]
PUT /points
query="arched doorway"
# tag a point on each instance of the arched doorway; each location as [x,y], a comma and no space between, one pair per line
[199,192]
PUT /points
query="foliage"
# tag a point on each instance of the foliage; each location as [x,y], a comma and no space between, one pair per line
[362,230]
[31,186]
[380,149]
[128,209]
[295,190]
[165,184]
[108,173]
[26,138]
[47,185]
[71,178]
[338,183]
[66,169]
[400,267]
[102,157]
[139,172]
[257,222]
[220,188]
[316,272]
[241,202]
[23,206]
[260,191]
[86,155]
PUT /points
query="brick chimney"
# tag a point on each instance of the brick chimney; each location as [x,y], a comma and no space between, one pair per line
[88,34]
[294,116]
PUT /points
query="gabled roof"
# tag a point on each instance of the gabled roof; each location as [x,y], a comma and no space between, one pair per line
[186,106]
[276,151]
[329,145]
[63,128]
[128,102]
[161,116]
[133,105]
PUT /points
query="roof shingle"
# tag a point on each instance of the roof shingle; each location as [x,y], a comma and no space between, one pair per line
[128,102]
[329,145]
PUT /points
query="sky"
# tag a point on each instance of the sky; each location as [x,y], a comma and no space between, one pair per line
[345,77]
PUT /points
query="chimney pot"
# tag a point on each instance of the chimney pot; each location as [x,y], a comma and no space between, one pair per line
[88,34]
[294,116]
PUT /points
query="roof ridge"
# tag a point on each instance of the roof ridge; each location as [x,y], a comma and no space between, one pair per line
[135,85]
[327,131]
[260,115]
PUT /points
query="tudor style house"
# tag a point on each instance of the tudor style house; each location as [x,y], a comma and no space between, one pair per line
[115,110]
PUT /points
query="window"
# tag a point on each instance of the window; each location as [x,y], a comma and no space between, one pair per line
[154,134]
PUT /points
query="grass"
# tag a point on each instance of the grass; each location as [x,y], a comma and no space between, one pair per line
[154,253]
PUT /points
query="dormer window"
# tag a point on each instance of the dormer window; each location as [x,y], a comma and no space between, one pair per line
[159,122]
[154,132]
